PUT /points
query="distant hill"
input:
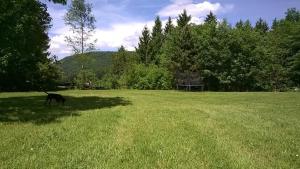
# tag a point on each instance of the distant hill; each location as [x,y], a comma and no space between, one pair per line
[99,62]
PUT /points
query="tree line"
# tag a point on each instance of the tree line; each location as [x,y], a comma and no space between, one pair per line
[242,57]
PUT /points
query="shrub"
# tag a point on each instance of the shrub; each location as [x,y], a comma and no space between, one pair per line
[85,79]
[147,77]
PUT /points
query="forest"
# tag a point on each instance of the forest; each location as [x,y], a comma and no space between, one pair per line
[238,57]
[242,57]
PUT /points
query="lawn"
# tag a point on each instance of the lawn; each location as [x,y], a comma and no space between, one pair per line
[150,129]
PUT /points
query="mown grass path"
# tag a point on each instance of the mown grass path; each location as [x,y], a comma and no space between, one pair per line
[150,129]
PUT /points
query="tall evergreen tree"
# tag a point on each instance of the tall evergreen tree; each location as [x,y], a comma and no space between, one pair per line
[82,23]
[261,26]
[143,47]
[239,24]
[180,47]
[157,28]
[274,24]
[211,18]
[119,61]
[169,27]
[156,42]
[183,19]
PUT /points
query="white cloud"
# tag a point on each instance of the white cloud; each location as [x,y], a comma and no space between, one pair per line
[195,9]
[59,47]
[125,34]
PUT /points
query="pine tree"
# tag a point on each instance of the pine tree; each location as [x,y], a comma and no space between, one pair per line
[183,19]
[156,42]
[179,49]
[274,24]
[119,61]
[211,18]
[169,27]
[143,46]
[82,22]
[239,24]
[247,25]
[157,28]
[261,26]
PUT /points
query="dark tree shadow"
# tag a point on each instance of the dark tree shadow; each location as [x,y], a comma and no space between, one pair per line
[33,109]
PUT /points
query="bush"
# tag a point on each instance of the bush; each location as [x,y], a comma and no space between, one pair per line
[109,81]
[85,79]
[147,77]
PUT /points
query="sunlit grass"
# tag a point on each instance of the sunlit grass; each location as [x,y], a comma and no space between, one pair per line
[150,129]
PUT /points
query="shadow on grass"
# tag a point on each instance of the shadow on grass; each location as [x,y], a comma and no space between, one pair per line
[32,109]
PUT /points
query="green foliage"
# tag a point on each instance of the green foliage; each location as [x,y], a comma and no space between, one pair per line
[148,77]
[82,22]
[169,27]
[50,75]
[179,52]
[143,47]
[261,26]
[85,79]
[283,48]
[292,15]
[122,60]
[23,45]
[211,18]
[242,58]
[110,81]
[183,19]
[214,54]
[156,42]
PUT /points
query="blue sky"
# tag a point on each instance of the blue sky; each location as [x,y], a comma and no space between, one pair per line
[119,22]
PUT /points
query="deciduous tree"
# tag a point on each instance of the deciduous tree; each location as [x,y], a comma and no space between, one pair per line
[82,23]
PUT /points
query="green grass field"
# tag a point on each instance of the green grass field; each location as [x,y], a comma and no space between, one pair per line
[150,129]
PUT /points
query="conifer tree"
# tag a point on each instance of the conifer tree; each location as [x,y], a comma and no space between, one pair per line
[183,19]
[261,26]
[119,61]
[180,47]
[169,27]
[211,18]
[143,47]
[156,42]
[239,24]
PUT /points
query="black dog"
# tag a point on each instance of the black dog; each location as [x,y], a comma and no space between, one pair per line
[57,97]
